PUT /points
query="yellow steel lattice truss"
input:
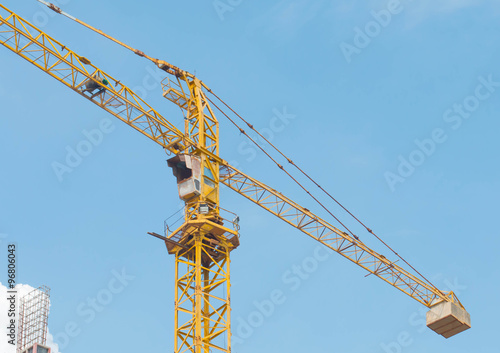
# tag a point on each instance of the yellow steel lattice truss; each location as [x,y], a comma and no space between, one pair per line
[202,245]
[202,301]
[76,72]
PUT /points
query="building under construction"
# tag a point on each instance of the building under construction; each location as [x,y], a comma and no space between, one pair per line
[33,321]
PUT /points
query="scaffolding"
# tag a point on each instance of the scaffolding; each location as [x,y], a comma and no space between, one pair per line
[33,318]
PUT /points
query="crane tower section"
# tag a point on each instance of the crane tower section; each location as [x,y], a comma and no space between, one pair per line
[202,244]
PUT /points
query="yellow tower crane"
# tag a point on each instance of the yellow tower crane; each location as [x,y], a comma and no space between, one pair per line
[203,243]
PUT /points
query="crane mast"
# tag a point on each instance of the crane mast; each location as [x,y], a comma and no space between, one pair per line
[203,243]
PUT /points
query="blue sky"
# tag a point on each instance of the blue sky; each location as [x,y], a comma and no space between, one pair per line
[360,121]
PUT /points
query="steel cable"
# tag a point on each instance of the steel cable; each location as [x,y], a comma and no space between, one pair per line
[308,177]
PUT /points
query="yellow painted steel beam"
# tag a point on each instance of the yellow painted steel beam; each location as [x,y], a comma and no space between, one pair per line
[202,127]
[163,65]
[333,238]
[202,297]
[76,72]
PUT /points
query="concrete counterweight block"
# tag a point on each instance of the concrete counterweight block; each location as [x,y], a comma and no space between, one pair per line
[448,319]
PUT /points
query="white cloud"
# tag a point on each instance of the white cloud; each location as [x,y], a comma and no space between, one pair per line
[54,348]
[22,289]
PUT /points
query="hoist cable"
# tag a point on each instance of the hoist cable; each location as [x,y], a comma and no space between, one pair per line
[308,177]
[282,168]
